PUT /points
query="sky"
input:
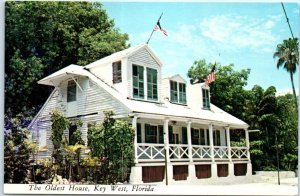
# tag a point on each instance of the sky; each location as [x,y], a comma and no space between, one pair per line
[243,34]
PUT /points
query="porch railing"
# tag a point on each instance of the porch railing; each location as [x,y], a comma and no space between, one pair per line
[221,152]
[180,152]
[201,152]
[239,153]
[153,152]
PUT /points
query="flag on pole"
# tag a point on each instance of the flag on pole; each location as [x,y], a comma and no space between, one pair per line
[211,76]
[157,27]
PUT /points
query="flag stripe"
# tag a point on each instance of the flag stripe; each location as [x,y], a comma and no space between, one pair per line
[211,77]
[157,27]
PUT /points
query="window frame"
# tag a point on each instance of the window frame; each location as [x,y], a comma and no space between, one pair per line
[71,86]
[152,84]
[177,92]
[139,79]
[205,98]
[117,72]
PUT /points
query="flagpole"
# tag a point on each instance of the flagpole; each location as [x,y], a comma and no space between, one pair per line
[153,28]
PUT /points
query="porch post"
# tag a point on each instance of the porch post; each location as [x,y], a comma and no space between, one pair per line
[214,169]
[168,166]
[249,165]
[230,164]
[166,139]
[136,171]
[134,126]
[189,140]
[191,167]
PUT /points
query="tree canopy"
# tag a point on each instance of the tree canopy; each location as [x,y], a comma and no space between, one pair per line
[275,116]
[43,37]
[287,53]
[228,91]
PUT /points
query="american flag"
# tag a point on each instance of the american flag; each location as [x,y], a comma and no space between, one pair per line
[158,28]
[211,77]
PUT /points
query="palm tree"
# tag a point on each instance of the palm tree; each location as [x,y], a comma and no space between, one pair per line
[288,57]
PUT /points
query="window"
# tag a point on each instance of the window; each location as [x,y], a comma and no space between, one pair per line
[198,136]
[42,138]
[139,133]
[205,97]
[174,95]
[117,72]
[217,138]
[71,91]
[184,135]
[195,136]
[182,93]
[72,130]
[160,134]
[150,133]
[152,84]
[178,92]
[138,81]
[155,134]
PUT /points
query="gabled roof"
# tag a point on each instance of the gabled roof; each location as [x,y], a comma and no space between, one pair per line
[135,106]
[124,53]
[176,77]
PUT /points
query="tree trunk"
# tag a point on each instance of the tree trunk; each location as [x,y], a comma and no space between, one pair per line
[294,92]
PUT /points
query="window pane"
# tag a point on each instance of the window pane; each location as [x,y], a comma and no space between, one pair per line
[117,72]
[202,137]
[184,135]
[138,81]
[71,91]
[205,94]
[139,133]
[72,130]
[150,133]
[152,83]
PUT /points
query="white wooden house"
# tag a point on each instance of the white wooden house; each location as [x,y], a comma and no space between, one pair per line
[129,82]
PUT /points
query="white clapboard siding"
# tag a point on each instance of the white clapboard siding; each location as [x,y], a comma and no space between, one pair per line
[92,100]
[165,89]
[144,57]
[49,107]
[98,100]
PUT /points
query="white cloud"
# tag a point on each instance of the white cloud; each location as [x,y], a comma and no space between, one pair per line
[237,32]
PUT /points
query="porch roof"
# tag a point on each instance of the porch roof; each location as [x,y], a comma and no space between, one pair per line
[63,74]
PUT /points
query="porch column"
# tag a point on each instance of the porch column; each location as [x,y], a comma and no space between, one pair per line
[136,171]
[191,167]
[134,126]
[230,164]
[214,169]
[189,140]
[168,166]
[249,165]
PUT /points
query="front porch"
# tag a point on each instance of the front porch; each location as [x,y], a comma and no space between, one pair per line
[188,149]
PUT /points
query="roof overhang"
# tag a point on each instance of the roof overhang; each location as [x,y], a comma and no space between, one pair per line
[68,72]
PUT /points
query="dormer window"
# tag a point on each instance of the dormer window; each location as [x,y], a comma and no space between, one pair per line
[117,72]
[138,81]
[205,98]
[178,92]
[71,91]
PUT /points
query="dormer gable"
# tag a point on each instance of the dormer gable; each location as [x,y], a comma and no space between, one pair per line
[135,72]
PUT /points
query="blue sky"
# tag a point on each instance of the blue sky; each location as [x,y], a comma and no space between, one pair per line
[244,34]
